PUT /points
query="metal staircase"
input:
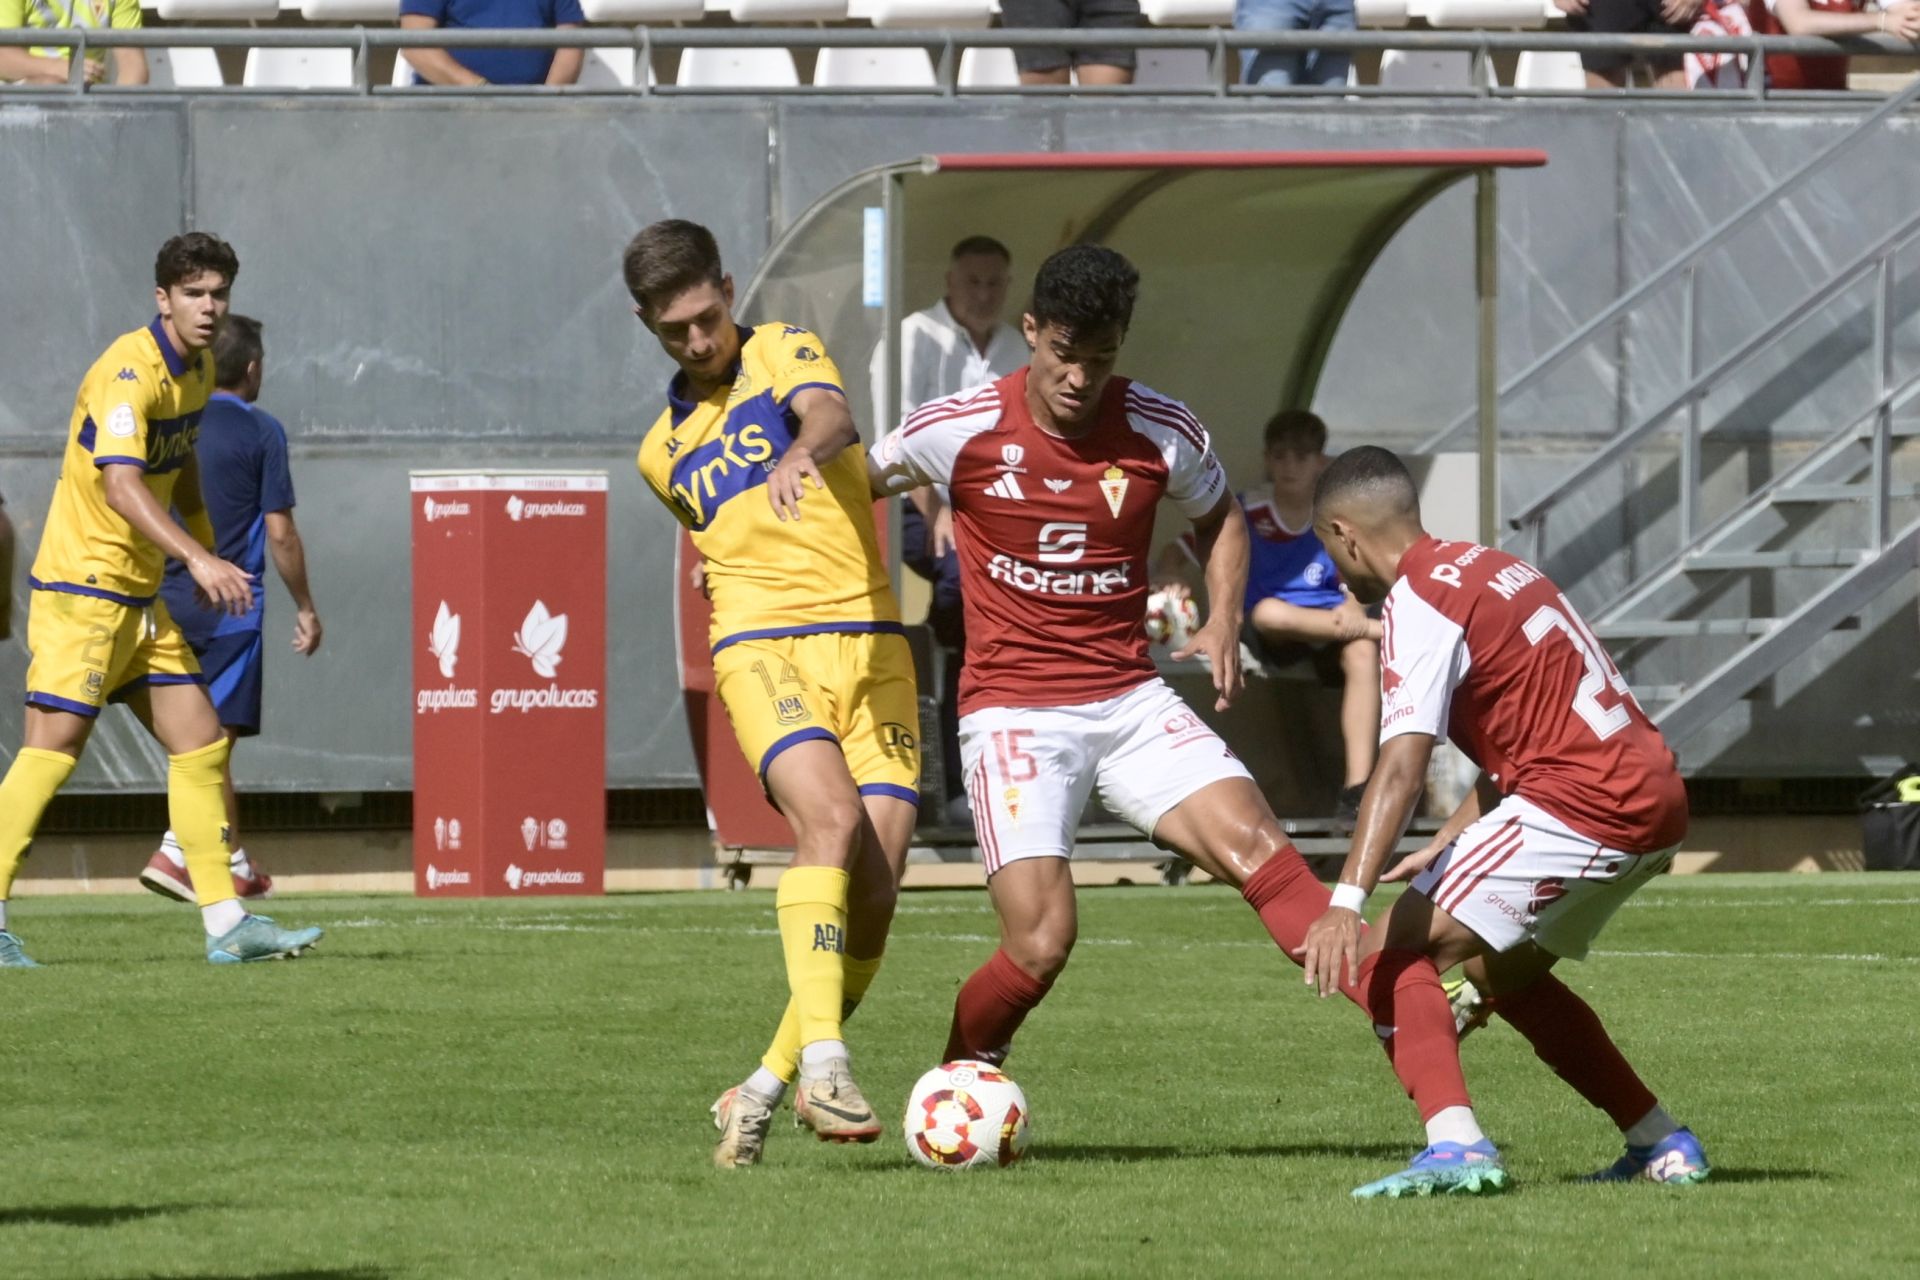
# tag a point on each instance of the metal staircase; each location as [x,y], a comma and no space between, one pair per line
[1778,565]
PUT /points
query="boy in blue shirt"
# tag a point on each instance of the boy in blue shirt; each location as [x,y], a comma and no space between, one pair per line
[248,489]
[1297,608]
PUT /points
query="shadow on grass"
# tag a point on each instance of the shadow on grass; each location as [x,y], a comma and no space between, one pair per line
[1722,1176]
[331,1273]
[90,1215]
[1100,1153]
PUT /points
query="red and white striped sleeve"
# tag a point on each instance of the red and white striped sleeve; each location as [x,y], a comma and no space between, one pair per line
[1423,659]
[1195,479]
[923,448]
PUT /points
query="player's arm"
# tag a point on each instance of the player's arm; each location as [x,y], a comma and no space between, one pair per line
[1800,18]
[1345,621]
[435,66]
[1220,543]
[826,427]
[129,498]
[1480,798]
[290,562]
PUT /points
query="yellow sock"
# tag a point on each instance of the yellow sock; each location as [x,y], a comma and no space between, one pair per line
[32,781]
[197,809]
[783,1055]
[812,908]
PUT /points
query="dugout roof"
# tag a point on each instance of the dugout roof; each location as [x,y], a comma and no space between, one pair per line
[1248,259]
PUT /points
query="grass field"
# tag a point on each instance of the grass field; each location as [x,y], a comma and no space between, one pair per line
[520,1089]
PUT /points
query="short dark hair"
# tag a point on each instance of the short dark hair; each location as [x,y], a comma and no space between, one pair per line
[1297,430]
[982,245]
[1371,474]
[186,256]
[668,258]
[237,347]
[1084,289]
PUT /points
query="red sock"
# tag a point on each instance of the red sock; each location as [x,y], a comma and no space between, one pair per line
[1287,897]
[1411,1016]
[990,1008]
[1568,1037]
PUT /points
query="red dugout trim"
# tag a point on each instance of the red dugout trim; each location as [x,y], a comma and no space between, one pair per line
[1013,161]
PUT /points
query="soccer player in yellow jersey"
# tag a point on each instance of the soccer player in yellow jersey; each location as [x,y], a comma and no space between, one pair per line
[96,630]
[758,456]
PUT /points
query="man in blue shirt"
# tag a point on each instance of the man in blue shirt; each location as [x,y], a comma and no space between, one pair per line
[466,67]
[248,489]
[1297,608]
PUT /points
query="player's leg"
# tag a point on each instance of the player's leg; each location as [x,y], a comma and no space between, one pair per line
[51,748]
[1029,772]
[233,667]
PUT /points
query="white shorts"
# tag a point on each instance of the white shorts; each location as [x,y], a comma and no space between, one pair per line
[1029,770]
[1520,874]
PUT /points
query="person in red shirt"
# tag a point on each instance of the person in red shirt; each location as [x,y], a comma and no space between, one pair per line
[1825,18]
[1055,473]
[1578,804]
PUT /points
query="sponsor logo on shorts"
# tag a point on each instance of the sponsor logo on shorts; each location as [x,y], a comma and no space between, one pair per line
[1507,908]
[1050,582]
[1545,893]
[897,737]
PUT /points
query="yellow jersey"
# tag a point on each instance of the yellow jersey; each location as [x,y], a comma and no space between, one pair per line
[140,404]
[708,461]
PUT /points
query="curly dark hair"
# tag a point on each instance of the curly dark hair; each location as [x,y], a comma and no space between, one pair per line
[1371,474]
[668,258]
[186,256]
[1085,289]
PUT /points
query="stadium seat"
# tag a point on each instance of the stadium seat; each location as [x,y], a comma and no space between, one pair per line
[299,69]
[1188,13]
[1173,69]
[1413,69]
[757,68]
[609,69]
[333,13]
[987,69]
[1380,13]
[219,10]
[754,12]
[186,67]
[874,69]
[629,13]
[924,15]
[1484,15]
[1537,70]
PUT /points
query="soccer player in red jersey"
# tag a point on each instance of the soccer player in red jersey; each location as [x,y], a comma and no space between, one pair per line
[1578,804]
[1055,472]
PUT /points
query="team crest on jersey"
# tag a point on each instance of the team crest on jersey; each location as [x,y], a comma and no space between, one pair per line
[96,684]
[1011,454]
[791,709]
[1113,487]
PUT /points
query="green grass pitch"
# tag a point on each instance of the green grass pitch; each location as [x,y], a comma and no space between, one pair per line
[520,1089]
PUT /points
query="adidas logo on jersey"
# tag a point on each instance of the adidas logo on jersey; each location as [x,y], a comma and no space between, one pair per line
[1007,486]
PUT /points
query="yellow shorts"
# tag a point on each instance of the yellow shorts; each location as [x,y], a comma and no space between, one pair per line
[853,688]
[88,651]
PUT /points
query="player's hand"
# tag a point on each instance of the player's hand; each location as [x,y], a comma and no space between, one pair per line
[1903,20]
[697,576]
[307,632]
[1680,13]
[224,586]
[1350,620]
[1332,939]
[940,533]
[1219,640]
[787,484]
[1414,863]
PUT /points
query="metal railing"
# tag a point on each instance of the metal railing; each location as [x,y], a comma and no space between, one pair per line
[946,46]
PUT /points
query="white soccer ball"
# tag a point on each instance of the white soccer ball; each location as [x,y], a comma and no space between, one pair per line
[966,1115]
[1172,617]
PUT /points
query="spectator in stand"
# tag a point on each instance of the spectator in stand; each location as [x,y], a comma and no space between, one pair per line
[960,341]
[1063,66]
[467,67]
[1632,17]
[1279,67]
[1297,609]
[1825,18]
[50,65]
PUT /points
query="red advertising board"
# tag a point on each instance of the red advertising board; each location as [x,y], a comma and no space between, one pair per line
[509,683]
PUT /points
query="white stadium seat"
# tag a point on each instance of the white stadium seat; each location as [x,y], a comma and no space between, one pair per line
[631,13]
[1549,71]
[299,69]
[987,69]
[753,12]
[219,10]
[875,68]
[1188,13]
[186,67]
[737,69]
[336,12]
[1380,13]
[1413,69]
[1484,15]
[608,69]
[924,15]
[1173,69]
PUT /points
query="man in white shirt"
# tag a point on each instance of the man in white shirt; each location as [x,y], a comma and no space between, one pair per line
[957,343]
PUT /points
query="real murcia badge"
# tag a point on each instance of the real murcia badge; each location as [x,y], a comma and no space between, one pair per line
[1114,485]
[1011,798]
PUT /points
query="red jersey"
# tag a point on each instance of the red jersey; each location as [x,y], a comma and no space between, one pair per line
[1788,71]
[1053,533]
[1480,647]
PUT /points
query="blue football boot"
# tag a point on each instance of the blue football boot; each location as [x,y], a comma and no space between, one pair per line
[11,956]
[259,938]
[1678,1159]
[1443,1169]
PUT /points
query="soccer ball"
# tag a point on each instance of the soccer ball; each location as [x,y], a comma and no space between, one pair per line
[966,1115]
[1172,617]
